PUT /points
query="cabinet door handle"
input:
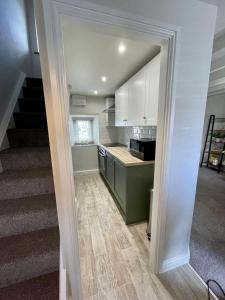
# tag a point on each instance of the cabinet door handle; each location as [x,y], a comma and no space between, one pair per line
[144,118]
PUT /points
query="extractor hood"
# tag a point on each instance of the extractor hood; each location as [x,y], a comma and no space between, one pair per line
[110,109]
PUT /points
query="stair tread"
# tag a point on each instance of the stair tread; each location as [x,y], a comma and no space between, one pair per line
[19,150]
[21,215]
[25,183]
[41,130]
[33,92]
[25,158]
[30,100]
[28,255]
[34,78]
[29,173]
[30,119]
[29,113]
[33,88]
[39,288]
[27,204]
[31,105]
[19,247]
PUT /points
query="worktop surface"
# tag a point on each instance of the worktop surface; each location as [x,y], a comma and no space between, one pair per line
[124,156]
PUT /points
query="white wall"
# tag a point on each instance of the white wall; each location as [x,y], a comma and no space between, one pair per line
[85,157]
[196,20]
[14,49]
[220,20]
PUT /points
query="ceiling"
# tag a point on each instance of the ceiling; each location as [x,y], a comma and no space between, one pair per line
[91,53]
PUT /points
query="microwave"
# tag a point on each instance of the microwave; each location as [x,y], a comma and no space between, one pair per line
[143,148]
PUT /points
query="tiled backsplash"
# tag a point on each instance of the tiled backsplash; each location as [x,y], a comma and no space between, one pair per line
[144,132]
[126,133]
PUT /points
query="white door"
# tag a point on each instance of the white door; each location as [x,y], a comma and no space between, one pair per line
[152,91]
[136,102]
[121,105]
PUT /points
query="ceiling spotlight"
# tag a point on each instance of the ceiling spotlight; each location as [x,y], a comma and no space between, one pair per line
[122,48]
[104,79]
[96,92]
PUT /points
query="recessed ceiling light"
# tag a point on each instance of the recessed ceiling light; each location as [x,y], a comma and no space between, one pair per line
[122,48]
[104,79]
[96,92]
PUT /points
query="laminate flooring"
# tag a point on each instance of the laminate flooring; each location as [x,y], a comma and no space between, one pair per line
[114,257]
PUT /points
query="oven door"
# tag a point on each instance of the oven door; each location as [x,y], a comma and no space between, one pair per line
[102,162]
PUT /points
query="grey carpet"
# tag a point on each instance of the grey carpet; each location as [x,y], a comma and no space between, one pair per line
[28,255]
[28,137]
[25,158]
[27,214]
[31,182]
[207,244]
[29,235]
[40,288]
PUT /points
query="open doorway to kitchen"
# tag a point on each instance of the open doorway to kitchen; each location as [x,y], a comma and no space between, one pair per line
[113,82]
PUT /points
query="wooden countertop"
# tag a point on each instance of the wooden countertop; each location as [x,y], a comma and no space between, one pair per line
[124,156]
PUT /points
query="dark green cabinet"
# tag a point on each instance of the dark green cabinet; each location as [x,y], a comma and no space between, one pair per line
[130,186]
[120,187]
[139,182]
[110,169]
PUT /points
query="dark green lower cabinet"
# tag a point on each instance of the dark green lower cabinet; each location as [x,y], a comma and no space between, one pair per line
[139,183]
[110,170]
[120,188]
[131,188]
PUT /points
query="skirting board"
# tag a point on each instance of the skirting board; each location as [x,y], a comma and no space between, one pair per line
[174,262]
[10,108]
[86,172]
[203,282]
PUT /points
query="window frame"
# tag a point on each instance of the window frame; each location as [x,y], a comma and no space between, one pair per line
[95,129]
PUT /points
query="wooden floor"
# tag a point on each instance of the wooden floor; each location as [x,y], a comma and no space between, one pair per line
[115,257]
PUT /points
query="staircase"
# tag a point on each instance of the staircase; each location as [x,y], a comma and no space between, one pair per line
[29,236]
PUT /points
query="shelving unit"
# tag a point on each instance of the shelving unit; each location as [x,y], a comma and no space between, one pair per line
[214,148]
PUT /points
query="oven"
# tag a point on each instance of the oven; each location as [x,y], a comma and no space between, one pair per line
[102,160]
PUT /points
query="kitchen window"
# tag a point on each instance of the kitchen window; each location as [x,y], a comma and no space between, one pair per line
[84,130]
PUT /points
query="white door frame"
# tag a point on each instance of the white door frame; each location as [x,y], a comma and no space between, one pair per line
[48,15]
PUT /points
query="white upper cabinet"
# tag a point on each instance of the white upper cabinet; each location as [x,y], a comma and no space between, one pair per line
[137,100]
[121,106]
[152,91]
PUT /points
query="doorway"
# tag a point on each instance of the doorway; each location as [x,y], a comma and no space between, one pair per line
[114,87]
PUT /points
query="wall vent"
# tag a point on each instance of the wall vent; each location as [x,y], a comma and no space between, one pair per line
[78,100]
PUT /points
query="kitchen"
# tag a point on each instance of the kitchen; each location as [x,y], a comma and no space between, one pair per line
[113,90]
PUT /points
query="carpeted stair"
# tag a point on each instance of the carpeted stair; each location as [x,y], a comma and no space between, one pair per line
[29,236]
